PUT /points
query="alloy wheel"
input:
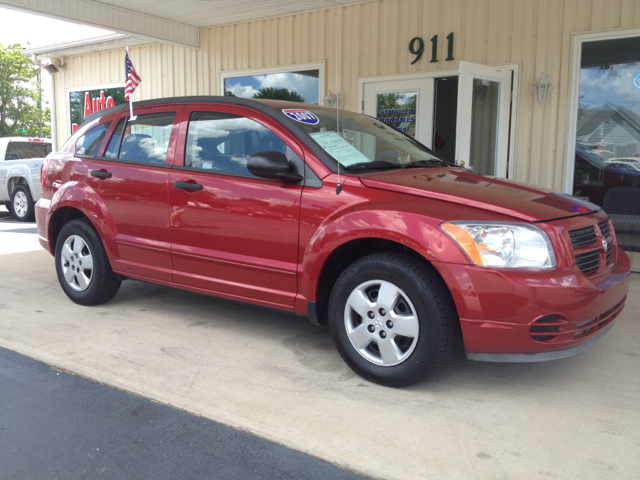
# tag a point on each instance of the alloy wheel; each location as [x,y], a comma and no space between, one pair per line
[20,204]
[381,322]
[77,263]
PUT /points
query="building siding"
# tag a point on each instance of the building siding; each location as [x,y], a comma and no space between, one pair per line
[373,40]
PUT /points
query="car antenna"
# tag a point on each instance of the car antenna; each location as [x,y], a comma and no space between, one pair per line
[339,186]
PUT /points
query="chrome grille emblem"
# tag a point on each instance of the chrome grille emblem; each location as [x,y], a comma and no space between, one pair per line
[604,245]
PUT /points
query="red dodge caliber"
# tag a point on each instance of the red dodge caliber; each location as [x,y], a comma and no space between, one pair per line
[340,218]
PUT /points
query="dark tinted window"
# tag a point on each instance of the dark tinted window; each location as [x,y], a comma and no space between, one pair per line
[146,139]
[89,143]
[20,150]
[222,142]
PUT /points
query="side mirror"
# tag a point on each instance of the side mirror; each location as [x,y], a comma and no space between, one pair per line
[272,165]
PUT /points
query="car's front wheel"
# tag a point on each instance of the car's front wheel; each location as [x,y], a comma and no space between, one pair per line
[82,265]
[391,319]
[22,204]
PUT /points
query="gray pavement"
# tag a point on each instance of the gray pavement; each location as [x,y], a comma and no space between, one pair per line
[279,377]
[57,425]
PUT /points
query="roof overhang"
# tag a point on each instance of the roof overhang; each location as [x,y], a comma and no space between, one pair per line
[166,21]
[91,45]
[113,18]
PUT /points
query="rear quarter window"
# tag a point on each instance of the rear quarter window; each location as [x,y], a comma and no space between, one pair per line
[89,143]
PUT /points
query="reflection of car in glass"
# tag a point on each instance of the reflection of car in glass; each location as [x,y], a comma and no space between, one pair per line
[20,162]
[594,176]
[350,222]
[623,165]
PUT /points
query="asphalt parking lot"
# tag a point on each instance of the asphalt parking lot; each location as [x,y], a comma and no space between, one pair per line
[279,377]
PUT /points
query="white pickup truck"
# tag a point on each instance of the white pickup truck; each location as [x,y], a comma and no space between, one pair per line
[20,164]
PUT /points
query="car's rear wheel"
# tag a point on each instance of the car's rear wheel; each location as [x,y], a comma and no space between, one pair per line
[82,265]
[391,319]
[22,204]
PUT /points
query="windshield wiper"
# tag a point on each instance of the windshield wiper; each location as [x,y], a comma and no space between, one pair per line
[434,162]
[378,164]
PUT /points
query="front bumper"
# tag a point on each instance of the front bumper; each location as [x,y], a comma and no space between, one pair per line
[525,316]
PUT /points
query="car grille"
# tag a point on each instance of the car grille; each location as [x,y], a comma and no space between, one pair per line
[553,329]
[588,262]
[583,237]
[589,259]
[605,228]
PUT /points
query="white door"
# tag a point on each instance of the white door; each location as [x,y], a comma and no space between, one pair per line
[403,104]
[484,104]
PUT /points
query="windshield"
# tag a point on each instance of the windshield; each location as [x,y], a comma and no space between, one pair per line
[362,142]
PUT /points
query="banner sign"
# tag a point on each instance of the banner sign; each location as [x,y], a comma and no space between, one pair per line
[398,110]
[85,102]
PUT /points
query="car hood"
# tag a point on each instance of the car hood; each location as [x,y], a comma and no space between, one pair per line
[459,185]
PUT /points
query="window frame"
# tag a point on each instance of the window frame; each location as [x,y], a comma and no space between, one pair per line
[88,88]
[285,69]
[578,40]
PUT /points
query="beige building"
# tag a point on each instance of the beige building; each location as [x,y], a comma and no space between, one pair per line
[466,77]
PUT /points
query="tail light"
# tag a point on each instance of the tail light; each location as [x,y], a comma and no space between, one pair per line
[43,172]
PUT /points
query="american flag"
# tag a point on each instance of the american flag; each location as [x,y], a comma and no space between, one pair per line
[132,79]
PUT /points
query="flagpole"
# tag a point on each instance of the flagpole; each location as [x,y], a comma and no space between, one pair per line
[130,95]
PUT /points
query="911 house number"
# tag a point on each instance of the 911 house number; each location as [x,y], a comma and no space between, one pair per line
[434,48]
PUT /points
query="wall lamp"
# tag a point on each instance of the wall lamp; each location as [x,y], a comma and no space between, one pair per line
[543,87]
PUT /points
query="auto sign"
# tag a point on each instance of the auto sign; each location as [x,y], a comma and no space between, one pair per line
[300,115]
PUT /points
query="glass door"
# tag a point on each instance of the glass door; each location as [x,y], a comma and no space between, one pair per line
[404,104]
[607,136]
[484,104]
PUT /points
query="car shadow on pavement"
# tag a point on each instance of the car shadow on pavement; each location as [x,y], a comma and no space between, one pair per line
[313,346]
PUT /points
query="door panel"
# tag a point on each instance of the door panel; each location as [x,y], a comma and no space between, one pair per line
[237,234]
[484,102]
[134,189]
[399,102]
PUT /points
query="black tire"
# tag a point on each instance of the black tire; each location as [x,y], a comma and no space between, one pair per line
[22,195]
[103,284]
[427,298]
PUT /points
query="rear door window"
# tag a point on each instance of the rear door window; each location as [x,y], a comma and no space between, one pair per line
[143,140]
[21,150]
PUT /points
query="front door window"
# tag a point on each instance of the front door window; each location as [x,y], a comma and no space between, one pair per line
[607,150]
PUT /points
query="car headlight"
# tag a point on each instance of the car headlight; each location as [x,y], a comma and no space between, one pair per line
[511,245]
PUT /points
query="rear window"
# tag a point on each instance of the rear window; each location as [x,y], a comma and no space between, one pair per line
[21,150]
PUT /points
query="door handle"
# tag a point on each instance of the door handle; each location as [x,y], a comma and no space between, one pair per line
[187,185]
[100,174]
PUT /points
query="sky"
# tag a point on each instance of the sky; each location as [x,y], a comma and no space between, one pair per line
[615,85]
[37,31]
